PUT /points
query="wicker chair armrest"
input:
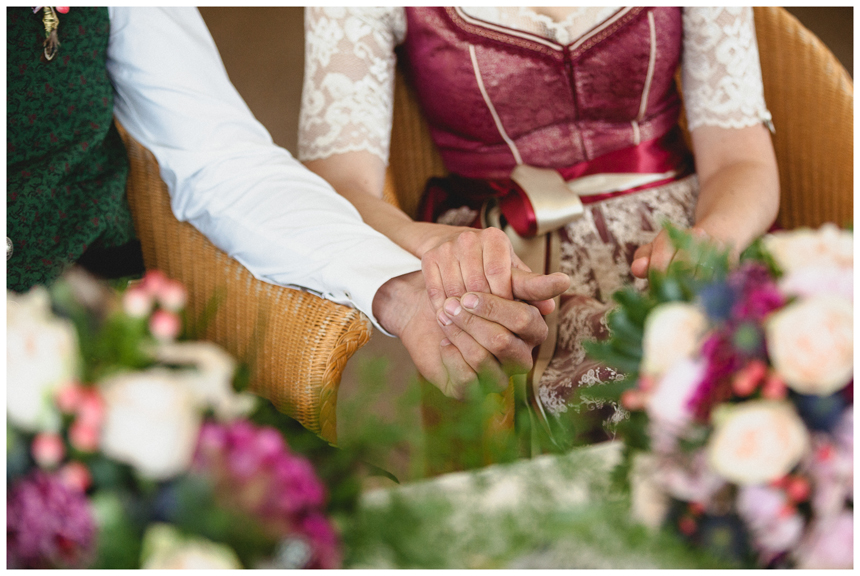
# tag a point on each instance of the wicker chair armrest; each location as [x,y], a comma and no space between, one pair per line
[811,97]
[295,344]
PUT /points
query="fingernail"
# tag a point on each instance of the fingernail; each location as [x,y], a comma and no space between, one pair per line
[469,301]
[445,342]
[452,307]
[443,319]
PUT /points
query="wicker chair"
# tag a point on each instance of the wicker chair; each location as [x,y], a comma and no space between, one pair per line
[295,344]
[808,92]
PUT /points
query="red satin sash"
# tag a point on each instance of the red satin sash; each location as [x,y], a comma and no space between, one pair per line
[666,153]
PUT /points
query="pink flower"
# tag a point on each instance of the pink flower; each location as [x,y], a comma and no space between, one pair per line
[829,544]
[172,295]
[153,281]
[68,397]
[76,475]
[137,302]
[670,402]
[764,510]
[48,449]
[84,436]
[819,280]
[91,409]
[164,325]
[689,479]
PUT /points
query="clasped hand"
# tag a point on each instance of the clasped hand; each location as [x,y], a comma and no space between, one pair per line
[465,321]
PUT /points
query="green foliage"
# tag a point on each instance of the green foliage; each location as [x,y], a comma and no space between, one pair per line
[109,341]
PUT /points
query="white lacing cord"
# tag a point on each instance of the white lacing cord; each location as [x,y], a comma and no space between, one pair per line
[652,59]
[492,108]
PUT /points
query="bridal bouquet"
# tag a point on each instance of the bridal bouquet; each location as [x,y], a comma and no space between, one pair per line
[129,447]
[739,394]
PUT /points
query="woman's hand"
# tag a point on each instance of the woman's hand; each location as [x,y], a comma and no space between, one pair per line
[458,260]
[660,252]
[738,193]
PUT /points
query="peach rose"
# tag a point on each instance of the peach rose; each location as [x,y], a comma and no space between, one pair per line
[811,344]
[672,333]
[802,248]
[756,441]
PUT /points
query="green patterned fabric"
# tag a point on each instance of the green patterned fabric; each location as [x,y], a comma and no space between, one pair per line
[66,165]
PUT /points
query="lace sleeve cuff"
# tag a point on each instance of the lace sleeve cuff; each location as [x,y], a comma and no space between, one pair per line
[721,73]
[348,93]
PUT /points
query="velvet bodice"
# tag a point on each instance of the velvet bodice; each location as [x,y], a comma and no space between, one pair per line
[491,93]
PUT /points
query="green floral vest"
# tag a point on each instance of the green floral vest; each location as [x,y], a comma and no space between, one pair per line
[66,166]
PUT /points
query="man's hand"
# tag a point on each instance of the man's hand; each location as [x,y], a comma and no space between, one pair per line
[489,335]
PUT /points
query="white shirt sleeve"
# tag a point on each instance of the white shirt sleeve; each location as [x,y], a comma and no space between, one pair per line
[251,198]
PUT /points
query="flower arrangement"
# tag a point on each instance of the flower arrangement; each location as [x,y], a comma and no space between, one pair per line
[740,396]
[128,446]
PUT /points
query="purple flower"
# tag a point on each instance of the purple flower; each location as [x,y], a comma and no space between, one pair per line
[759,294]
[254,471]
[723,360]
[318,530]
[48,524]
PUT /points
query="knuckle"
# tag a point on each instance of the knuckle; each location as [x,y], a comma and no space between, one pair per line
[503,343]
[475,283]
[524,318]
[435,293]
[467,238]
[452,288]
[495,235]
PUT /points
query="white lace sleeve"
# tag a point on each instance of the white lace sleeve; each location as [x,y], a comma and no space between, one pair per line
[348,93]
[720,72]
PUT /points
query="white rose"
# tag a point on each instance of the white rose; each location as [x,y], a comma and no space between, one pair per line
[803,247]
[165,548]
[211,381]
[811,344]
[756,441]
[672,332]
[41,355]
[152,419]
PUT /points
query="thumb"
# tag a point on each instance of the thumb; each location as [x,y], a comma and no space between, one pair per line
[532,286]
[641,261]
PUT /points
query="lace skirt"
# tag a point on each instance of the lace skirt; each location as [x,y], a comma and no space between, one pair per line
[596,252]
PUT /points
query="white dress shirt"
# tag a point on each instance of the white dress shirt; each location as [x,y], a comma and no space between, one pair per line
[250,197]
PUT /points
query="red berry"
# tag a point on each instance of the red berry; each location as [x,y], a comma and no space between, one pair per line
[687,525]
[798,489]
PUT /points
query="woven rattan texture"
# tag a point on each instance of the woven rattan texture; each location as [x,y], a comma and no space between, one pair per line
[811,97]
[296,344]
